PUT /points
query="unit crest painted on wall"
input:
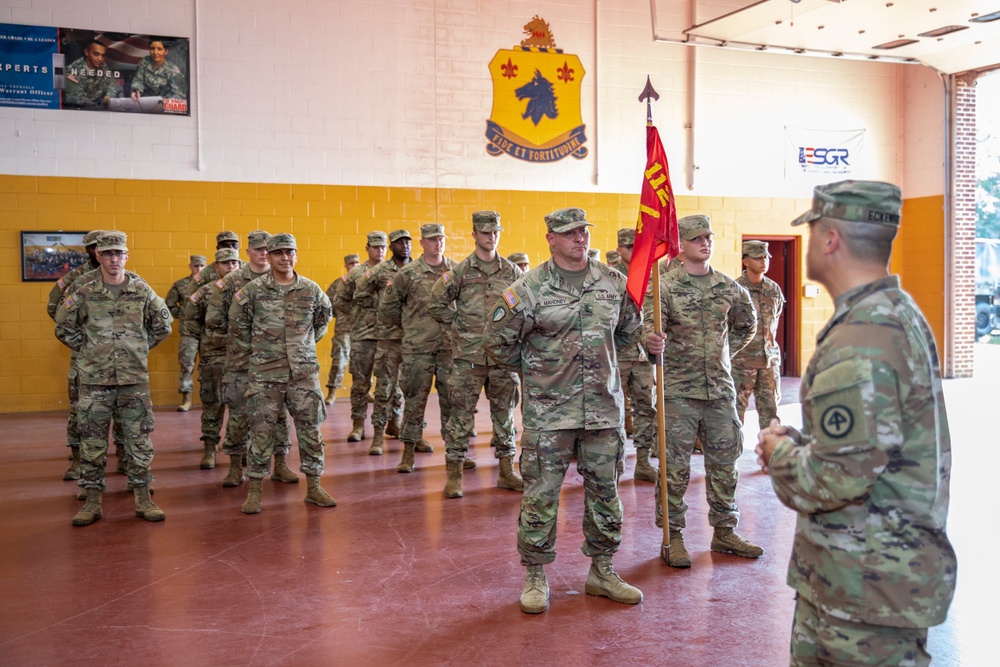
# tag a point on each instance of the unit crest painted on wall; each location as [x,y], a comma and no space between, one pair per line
[536,100]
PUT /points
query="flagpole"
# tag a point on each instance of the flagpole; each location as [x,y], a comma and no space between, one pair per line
[649,94]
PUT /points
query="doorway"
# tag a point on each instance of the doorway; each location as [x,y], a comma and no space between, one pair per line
[784,270]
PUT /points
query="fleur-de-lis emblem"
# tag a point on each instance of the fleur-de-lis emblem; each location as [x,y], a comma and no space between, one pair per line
[565,72]
[509,69]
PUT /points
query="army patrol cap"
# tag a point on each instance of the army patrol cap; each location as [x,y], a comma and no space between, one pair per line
[227,255]
[198,260]
[112,241]
[612,256]
[756,249]
[257,239]
[626,237]
[693,226]
[432,231]
[90,238]
[855,201]
[352,259]
[226,236]
[486,221]
[377,239]
[399,234]
[518,258]
[566,220]
[281,242]
[594,253]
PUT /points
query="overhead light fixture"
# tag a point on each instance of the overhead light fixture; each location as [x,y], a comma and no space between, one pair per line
[946,30]
[895,44]
[985,18]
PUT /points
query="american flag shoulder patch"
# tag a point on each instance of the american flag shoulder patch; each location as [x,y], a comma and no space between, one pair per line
[219,283]
[446,278]
[70,303]
[194,297]
[239,296]
[61,283]
[510,298]
[368,273]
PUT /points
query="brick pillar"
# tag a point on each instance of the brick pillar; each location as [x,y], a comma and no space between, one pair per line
[961,287]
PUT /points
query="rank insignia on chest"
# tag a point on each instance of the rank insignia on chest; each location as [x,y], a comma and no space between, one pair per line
[510,298]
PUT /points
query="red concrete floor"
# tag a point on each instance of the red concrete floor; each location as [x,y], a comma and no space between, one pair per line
[396,574]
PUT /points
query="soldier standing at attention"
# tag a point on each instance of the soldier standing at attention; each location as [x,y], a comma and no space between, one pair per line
[222,240]
[707,318]
[461,300]
[212,355]
[522,261]
[869,474]
[368,294]
[187,348]
[636,374]
[113,372]
[561,326]
[757,367]
[280,317]
[363,342]
[613,259]
[340,350]
[426,345]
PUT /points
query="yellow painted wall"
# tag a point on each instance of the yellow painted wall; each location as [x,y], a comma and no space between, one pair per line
[918,257]
[169,220]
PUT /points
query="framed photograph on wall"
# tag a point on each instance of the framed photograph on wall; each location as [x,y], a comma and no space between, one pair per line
[48,256]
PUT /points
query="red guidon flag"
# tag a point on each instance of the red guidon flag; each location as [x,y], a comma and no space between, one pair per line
[656,228]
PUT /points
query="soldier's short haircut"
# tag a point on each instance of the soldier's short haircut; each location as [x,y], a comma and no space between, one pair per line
[866,242]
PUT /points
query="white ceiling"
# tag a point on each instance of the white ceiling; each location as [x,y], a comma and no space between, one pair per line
[852,28]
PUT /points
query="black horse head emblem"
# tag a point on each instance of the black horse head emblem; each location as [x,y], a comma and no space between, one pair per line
[541,99]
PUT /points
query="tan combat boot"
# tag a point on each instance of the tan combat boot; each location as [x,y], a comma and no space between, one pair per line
[392,429]
[357,433]
[728,541]
[509,478]
[629,424]
[252,504]
[235,476]
[144,505]
[378,442]
[331,395]
[535,596]
[208,460]
[677,554]
[406,463]
[468,464]
[453,488]
[603,581]
[315,495]
[643,470]
[74,468]
[185,402]
[91,511]
[281,471]
[423,446]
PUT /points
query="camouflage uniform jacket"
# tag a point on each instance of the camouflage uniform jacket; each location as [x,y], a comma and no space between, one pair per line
[768,301]
[178,294]
[369,292]
[91,85]
[113,335]
[165,81]
[280,324]
[404,305]
[217,317]
[871,478]
[461,300]
[65,283]
[707,320]
[362,319]
[633,352]
[211,342]
[342,316]
[564,343]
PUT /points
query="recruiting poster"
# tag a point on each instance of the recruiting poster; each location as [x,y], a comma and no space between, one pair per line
[65,68]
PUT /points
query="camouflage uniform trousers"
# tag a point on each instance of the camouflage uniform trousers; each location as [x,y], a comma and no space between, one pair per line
[270,402]
[416,374]
[361,367]
[545,457]
[98,405]
[213,408]
[716,420]
[765,385]
[388,395]
[340,354]
[187,352]
[234,389]
[72,422]
[821,639]
[637,381]
[467,382]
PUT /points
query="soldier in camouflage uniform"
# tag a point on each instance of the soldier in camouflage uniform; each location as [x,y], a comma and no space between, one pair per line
[223,239]
[157,76]
[614,259]
[368,294]
[340,350]
[363,342]
[425,346]
[757,367]
[522,261]
[636,374]
[460,300]
[235,372]
[561,327]
[187,347]
[90,84]
[212,354]
[707,318]
[113,320]
[869,474]
[279,317]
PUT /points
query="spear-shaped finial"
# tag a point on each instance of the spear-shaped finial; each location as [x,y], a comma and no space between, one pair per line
[647,94]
